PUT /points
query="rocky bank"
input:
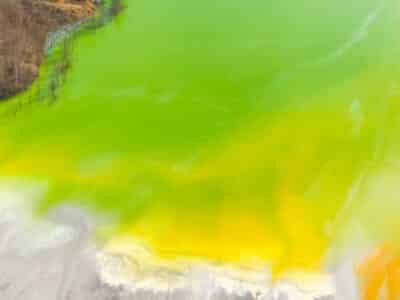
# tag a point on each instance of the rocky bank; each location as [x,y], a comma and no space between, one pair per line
[24,28]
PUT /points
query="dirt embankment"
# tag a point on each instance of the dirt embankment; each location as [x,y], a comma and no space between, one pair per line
[24,27]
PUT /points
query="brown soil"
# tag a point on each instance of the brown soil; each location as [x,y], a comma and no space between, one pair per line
[24,28]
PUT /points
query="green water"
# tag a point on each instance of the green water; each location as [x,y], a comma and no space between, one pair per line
[188,112]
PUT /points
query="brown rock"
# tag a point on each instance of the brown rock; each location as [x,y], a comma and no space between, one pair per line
[24,27]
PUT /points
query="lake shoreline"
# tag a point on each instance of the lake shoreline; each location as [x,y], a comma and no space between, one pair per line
[25,26]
